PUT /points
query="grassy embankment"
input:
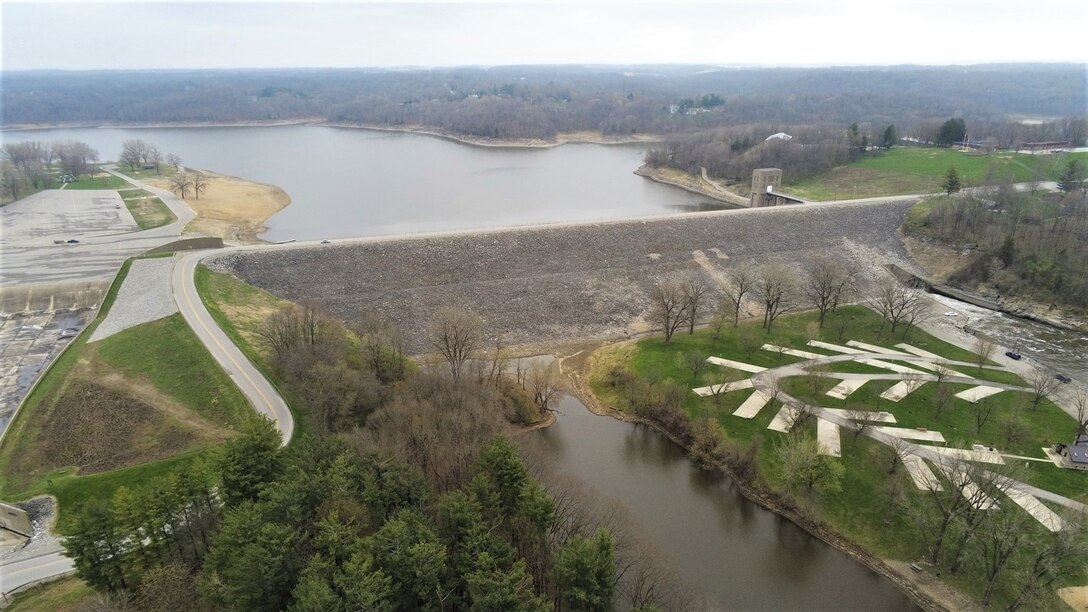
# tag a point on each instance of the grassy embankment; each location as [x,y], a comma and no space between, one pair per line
[147,209]
[164,171]
[907,170]
[863,510]
[239,309]
[64,595]
[119,411]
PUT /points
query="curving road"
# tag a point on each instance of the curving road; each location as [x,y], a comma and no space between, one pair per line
[264,398]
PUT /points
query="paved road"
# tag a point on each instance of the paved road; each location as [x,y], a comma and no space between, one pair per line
[254,386]
[26,571]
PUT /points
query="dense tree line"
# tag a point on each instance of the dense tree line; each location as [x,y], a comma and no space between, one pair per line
[36,165]
[538,101]
[1023,244]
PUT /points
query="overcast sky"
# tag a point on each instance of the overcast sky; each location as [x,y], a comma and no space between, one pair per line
[79,36]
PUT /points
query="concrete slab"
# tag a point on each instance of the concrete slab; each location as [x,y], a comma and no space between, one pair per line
[827,434]
[774,348]
[872,348]
[894,367]
[874,417]
[783,421]
[736,365]
[963,454]
[1036,509]
[911,434]
[913,350]
[726,388]
[846,387]
[919,472]
[838,348]
[974,394]
[901,389]
[751,406]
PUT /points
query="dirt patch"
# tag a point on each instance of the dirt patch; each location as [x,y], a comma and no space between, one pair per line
[232,208]
[1076,597]
[97,429]
[938,261]
[100,420]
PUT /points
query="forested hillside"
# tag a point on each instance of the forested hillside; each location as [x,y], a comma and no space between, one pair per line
[539,101]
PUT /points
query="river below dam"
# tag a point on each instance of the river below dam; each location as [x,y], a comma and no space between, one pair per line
[739,555]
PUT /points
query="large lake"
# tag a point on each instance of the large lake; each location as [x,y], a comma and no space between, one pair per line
[347,182]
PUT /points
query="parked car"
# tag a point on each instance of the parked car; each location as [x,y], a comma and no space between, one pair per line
[71,241]
[1013,355]
[326,241]
[1063,378]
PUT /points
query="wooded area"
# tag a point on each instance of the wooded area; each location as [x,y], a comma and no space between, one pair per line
[539,101]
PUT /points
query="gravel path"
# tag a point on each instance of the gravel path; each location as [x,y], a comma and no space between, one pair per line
[556,285]
[145,296]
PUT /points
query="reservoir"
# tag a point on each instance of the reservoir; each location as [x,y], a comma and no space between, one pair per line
[739,555]
[346,182]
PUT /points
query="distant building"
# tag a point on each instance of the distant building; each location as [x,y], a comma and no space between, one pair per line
[1076,453]
[778,136]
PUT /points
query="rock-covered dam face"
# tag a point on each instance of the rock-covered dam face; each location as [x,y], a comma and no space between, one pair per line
[559,285]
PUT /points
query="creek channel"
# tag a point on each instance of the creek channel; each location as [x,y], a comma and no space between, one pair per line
[735,552]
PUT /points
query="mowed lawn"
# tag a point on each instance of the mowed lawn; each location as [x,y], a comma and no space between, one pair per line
[910,170]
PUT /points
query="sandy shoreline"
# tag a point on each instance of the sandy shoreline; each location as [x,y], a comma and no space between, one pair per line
[232,208]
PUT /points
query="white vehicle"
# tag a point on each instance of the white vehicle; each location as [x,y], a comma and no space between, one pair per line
[951,313]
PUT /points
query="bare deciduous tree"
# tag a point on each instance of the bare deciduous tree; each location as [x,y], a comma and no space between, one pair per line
[200,183]
[897,304]
[457,335]
[983,349]
[826,283]
[749,342]
[180,183]
[741,283]
[545,384]
[982,410]
[1080,404]
[775,288]
[175,161]
[669,307]
[1042,385]
[695,292]
[859,422]
[1059,557]
[695,360]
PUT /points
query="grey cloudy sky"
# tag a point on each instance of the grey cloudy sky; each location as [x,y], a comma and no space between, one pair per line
[350,34]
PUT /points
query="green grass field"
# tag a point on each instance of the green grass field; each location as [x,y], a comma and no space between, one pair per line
[906,170]
[99,181]
[148,211]
[165,170]
[863,510]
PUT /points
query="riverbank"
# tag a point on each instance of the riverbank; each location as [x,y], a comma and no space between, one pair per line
[940,261]
[927,592]
[27,127]
[688,182]
[231,208]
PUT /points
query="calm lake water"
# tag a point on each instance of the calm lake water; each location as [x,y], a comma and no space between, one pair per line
[741,556]
[349,182]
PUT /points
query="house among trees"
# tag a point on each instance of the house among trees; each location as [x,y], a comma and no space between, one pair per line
[778,136]
[1076,454]
[1045,147]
